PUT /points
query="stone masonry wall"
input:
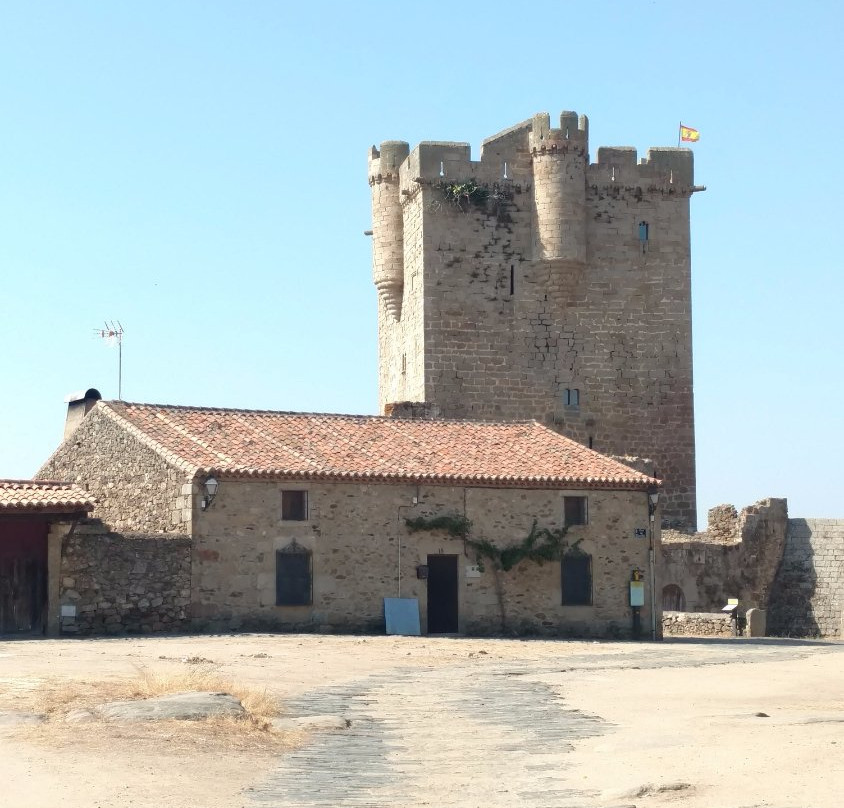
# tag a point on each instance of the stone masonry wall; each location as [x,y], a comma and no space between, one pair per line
[363,552]
[808,598]
[135,489]
[514,314]
[738,559]
[124,583]
[685,624]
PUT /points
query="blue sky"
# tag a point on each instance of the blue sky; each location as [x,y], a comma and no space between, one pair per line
[174,165]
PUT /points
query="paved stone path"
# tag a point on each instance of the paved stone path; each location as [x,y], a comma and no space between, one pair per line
[469,736]
[411,728]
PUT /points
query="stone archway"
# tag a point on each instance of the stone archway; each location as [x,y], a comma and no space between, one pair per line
[673,599]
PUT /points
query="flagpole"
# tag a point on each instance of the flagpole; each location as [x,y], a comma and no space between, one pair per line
[679,130]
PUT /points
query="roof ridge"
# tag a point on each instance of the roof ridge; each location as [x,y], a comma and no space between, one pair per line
[371,416]
[63,483]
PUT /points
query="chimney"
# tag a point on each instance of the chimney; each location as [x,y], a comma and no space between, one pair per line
[413,410]
[78,406]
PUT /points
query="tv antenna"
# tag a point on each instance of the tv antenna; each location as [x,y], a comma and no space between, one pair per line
[113,332]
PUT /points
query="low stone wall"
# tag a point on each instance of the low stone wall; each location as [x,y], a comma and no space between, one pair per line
[124,582]
[696,624]
[808,597]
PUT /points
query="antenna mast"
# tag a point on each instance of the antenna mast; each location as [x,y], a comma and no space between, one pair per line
[113,332]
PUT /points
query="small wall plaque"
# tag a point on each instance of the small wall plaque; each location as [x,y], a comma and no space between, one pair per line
[68,610]
[473,571]
[640,533]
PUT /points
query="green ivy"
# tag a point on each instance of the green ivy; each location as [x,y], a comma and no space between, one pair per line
[540,545]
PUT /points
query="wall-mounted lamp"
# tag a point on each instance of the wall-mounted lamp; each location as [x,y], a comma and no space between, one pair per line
[210,485]
[653,501]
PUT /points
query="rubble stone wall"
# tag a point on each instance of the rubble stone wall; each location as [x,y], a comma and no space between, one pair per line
[737,558]
[699,624]
[124,582]
[134,487]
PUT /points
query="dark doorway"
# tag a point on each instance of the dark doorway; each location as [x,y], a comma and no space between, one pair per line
[23,575]
[442,594]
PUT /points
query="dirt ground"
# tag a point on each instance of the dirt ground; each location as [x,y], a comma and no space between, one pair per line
[444,722]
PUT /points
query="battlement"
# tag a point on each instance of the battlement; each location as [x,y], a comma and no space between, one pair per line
[664,167]
[573,132]
[384,163]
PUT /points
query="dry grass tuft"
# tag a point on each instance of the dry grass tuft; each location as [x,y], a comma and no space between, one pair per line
[57,699]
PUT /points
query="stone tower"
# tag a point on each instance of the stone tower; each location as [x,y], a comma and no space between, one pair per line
[535,284]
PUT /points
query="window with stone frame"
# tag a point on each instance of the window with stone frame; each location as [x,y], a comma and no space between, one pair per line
[576,579]
[571,397]
[294,576]
[575,511]
[294,506]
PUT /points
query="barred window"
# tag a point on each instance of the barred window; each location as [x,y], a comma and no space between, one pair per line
[576,571]
[293,576]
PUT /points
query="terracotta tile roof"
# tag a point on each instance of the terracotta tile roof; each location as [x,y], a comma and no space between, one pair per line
[43,496]
[287,445]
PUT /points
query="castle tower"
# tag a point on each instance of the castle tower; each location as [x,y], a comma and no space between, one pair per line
[534,284]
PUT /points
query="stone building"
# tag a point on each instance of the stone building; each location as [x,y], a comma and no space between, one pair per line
[533,283]
[234,519]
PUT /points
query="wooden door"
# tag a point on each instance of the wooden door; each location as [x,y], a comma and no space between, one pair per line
[442,594]
[23,575]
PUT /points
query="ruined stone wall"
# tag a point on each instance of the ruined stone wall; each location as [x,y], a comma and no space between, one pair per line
[739,559]
[703,624]
[519,306]
[808,598]
[363,552]
[124,583]
[135,489]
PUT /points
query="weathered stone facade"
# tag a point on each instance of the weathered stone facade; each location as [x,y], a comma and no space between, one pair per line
[533,284]
[363,552]
[736,558]
[135,488]
[808,594]
[124,582]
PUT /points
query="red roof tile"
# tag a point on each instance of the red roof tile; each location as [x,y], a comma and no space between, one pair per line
[34,496]
[366,448]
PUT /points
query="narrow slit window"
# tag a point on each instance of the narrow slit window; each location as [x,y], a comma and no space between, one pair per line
[512,280]
[403,364]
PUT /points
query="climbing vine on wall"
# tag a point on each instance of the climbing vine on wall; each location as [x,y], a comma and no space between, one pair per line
[540,545]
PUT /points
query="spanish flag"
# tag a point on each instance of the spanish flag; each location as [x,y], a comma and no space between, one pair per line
[688,134]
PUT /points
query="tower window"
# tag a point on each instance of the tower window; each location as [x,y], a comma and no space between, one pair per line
[644,229]
[571,397]
[403,364]
[512,279]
